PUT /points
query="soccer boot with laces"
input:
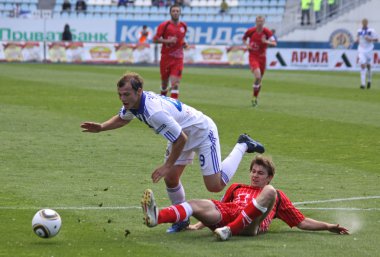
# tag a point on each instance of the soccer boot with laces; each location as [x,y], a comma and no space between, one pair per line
[178,227]
[223,234]
[149,207]
[253,146]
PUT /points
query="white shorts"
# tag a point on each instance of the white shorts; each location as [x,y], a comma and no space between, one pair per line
[365,57]
[206,144]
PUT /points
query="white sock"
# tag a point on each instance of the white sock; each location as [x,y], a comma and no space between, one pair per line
[231,163]
[176,194]
[258,206]
[369,75]
[188,209]
[362,76]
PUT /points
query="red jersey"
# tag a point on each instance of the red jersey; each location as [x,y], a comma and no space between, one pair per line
[242,194]
[169,29]
[255,40]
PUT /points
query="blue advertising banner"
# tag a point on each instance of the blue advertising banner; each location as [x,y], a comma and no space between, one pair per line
[210,33]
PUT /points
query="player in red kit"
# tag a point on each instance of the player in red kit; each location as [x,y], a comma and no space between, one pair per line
[244,210]
[171,34]
[259,38]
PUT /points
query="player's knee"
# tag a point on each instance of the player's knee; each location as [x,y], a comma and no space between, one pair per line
[270,192]
[215,188]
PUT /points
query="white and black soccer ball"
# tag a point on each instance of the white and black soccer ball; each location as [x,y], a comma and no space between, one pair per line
[46,223]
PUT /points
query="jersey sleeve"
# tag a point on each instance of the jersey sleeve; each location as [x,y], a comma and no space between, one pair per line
[165,125]
[125,114]
[287,212]
[228,196]
[160,31]
[374,34]
[268,33]
[247,33]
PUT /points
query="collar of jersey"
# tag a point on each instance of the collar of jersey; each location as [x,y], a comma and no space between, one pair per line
[141,108]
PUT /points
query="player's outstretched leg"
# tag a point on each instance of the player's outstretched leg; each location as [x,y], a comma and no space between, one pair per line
[253,146]
[222,234]
[149,207]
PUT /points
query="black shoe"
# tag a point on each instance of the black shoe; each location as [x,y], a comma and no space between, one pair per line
[368,85]
[253,146]
[362,87]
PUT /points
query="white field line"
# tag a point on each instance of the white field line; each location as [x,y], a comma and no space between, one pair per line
[138,207]
[338,200]
[338,209]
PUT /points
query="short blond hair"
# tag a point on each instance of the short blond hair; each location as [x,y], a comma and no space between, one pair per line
[266,162]
[133,78]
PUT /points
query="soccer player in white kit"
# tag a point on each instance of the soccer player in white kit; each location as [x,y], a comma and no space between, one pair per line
[365,38]
[187,131]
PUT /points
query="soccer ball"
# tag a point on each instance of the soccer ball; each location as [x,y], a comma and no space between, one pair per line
[46,223]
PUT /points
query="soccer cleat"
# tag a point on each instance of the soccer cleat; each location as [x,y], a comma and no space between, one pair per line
[368,85]
[149,207]
[178,227]
[254,102]
[253,146]
[362,87]
[223,234]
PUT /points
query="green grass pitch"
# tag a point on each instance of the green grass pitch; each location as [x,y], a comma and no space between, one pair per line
[321,130]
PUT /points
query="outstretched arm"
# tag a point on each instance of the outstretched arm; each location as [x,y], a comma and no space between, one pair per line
[113,123]
[197,226]
[170,40]
[310,224]
[175,153]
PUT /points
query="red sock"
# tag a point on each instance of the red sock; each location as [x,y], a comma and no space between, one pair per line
[174,94]
[172,214]
[245,218]
[164,92]
[256,90]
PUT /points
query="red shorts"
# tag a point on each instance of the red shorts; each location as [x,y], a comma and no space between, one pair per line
[257,62]
[228,211]
[170,66]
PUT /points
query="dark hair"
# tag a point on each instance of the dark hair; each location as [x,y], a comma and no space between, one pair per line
[133,78]
[174,5]
[266,162]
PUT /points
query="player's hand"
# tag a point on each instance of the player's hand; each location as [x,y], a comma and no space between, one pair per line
[197,226]
[160,173]
[338,230]
[171,40]
[185,45]
[368,38]
[91,127]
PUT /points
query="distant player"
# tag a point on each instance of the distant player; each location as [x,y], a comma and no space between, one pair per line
[365,39]
[144,35]
[258,38]
[187,130]
[171,34]
[244,210]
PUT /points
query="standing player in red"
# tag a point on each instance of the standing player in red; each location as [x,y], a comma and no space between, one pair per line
[171,34]
[244,210]
[259,39]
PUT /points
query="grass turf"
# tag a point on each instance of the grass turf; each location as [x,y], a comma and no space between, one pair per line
[320,129]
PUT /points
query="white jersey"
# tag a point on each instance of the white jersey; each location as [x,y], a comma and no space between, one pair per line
[167,116]
[365,46]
